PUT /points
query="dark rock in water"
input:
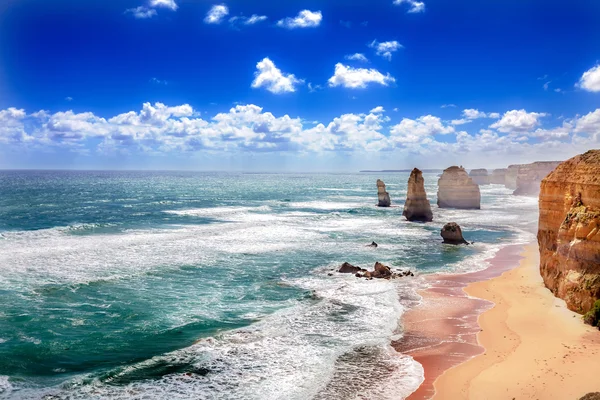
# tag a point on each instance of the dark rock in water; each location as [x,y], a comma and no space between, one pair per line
[381,271]
[383,197]
[452,234]
[591,396]
[373,244]
[348,268]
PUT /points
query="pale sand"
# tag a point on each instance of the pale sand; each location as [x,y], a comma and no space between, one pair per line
[535,348]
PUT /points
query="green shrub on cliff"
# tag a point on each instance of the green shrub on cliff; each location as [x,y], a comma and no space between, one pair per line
[592,317]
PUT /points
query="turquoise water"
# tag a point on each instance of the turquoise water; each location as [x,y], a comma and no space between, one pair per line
[212,285]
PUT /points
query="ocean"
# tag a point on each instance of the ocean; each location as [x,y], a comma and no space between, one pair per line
[189,285]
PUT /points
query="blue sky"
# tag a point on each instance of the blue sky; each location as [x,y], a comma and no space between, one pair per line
[296,85]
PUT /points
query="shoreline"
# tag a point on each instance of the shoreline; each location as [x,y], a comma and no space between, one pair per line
[499,333]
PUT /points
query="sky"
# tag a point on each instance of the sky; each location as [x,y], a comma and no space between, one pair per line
[297,85]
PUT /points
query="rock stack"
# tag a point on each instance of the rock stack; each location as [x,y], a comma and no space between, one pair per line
[452,234]
[417,207]
[382,196]
[457,190]
[529,177]
[569,231]
[480,176]
[498,176]
[510,178]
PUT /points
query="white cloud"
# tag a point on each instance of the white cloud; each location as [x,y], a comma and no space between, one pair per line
[590,80]
[415,6]
[385,49]
[313,88]
[494,115]
[271,78]
[472,113]
[304,19]
[216,14]
[357,57]
[461,121]
[170,4]
[518,121]
[589,123]
[377,110]
[448,105]
[560,132]
[547,85]
[68,98]
[254,19]
[419,130]
[141,12]
[355,78]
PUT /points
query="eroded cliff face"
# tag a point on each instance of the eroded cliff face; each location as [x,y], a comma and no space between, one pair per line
[417,207]
[480,176]
[383,197]
[457,190]
[498,176]
[510,178]
[529,177]
[569,231]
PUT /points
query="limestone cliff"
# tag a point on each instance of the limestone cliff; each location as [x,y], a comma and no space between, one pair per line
[498,176]
[480,176]
[529,177]
[417,207]
[383,197]
[569,231]
[457,190]
[510,178]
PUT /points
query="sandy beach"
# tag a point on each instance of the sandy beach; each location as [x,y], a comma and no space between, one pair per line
[500,338]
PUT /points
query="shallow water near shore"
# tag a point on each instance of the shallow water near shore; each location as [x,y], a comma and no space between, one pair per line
[126,285]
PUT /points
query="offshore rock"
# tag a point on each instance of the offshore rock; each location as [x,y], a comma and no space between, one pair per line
[383,197]
[480,176]
[457,190]
[510,178]
[348,268]
[569,231]
[417,207]
[452,234]
[529,177]
[498,176]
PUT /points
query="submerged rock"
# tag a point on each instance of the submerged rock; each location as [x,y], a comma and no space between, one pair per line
[569,231]
[457,190]
[452,234]
[417,207]
[383,197]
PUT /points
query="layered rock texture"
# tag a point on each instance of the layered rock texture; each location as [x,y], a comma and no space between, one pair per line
[529,177]
[569,231]
[452,234]
[457,190]
[498,176]
[417,207]
[383,197]
[480,176]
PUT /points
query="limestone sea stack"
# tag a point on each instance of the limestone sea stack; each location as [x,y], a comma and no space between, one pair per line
[510,178]
[529,177]
[480,176]
[452,234]
[498,176]
[382,196]
[417,207]
[569,231]
[457,190]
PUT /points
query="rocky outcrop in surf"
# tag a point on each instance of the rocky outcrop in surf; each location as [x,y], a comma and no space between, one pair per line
[457,190]
[529,177]
[380,271]
[417,207]
[498,176]
[480,176]
[347,268]
[452,234]
[383,197]
[569,231]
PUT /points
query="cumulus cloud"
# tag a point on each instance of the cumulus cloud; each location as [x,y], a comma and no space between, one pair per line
[416,131]
[142,12]
[590,80]
[415,6]
[304,19]
[271,78]
[216,14]
[472,113]
[357,57]
[377,110]
[461,121]
[385,49]
[358,78]
[170,4]
[518,121]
